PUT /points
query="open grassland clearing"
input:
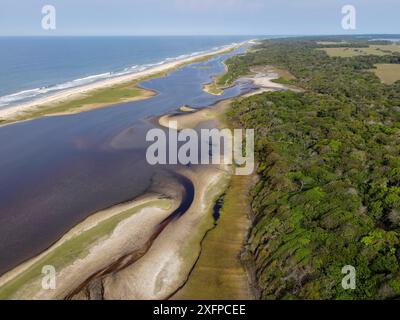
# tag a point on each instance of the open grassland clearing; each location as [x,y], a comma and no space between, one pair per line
[378,50]
[388,73]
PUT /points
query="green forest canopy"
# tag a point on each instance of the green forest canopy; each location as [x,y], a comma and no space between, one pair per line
[329,162]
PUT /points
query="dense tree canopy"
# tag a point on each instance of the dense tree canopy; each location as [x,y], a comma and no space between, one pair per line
[329,162]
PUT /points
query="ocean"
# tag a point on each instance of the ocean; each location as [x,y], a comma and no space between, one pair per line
[32,67]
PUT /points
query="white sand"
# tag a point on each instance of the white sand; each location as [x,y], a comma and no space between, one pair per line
[265,83]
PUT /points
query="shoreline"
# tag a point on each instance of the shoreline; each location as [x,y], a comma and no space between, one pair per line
[176,232]
[15,286]
[8,114]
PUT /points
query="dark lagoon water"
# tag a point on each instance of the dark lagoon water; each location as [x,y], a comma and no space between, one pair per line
[31,67]
[56,171]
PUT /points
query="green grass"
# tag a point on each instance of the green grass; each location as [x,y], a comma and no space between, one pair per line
[218,273]
[101,97]
[388,73]
[211,196]
[212,88]
[72,249]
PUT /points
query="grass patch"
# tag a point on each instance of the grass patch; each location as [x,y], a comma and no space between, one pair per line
[191,251]
[98,98]
[218,273]
[284,75]
[377,50]
[388,73]
[212,88]
[72,249]
[390,48]
[331,43]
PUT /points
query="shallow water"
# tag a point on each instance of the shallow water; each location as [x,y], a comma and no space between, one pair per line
[56,171]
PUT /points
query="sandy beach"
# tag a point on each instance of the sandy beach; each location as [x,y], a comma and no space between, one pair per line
[73,93]
[166,266]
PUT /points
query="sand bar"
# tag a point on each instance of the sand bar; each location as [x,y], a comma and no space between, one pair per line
[132,232]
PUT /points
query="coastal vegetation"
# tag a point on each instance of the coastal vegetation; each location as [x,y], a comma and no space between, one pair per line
[329,167]
[96,99]
[212,88]
[223,277]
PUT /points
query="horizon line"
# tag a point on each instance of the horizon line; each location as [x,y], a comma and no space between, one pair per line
[196,35]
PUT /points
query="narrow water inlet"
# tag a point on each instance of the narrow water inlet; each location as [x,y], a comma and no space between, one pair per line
[217,207]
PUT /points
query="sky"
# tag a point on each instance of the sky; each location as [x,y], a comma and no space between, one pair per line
[197,17]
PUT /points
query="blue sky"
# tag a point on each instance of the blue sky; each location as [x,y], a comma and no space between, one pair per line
[197,17]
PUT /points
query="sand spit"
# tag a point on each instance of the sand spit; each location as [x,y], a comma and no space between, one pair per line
[165,267]
[113,236]
[131,235]
[73,93]
[212,88]
[144,94]
[186,109]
